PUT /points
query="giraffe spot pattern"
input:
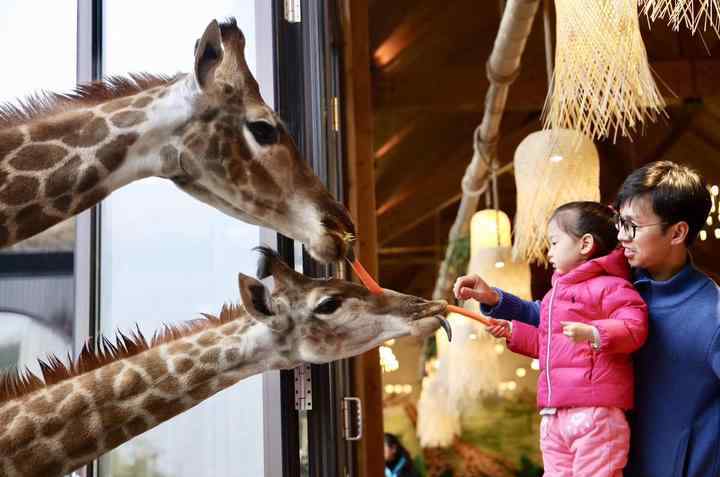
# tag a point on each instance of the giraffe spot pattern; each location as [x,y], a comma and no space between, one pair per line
[232,356]
[202,391]
[9,141]
[199,375]
[33,220]
[36,157]
[129,384]
[113,154]
[41,405]
[62,203]
[169,384]
[91,134]
[209,338]
[115,437]
[90,199]
[75,405]
[27,462]
[183,365]
[19,190]
[59,126]
[211,356]
[136,426]
[116,105]
[63,179]
[162,409]
[126,119]
[52,426]
[7,415]
[180,347]
[75,438]
[90,178]
[60,391]
[21,434]
[155,365]
[111,415]
[142,102]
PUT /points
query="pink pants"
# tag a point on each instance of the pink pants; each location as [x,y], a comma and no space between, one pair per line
[585,441]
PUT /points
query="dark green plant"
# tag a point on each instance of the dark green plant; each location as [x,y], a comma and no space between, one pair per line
[459,254]
[528,468]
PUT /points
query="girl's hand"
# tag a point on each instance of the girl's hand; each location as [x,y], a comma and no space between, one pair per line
[499,328]
[578,332]
[472,286]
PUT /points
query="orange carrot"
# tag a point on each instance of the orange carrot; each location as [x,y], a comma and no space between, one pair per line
[470,314]
[365,278]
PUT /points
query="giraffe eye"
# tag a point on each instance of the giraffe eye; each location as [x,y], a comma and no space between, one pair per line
[328,305]
[263,132]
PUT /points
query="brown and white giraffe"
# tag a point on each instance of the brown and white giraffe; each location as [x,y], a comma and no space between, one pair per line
[208,131]
[116,392]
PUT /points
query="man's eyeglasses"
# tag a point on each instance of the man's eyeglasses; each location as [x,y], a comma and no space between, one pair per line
[628,228]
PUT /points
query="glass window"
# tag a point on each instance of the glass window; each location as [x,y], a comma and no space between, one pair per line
[36,275]
[167,257]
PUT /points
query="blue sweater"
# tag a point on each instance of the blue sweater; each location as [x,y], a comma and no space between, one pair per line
[676,422]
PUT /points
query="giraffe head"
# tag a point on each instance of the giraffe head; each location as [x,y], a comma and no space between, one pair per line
[320,320]
[238,156]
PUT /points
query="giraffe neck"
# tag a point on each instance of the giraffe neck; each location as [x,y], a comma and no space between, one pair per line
[62,427]
[56,166]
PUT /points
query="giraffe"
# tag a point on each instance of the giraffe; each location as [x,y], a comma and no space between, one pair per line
[117,391]
[208,131]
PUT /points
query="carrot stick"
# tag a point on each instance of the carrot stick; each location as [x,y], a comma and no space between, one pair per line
[470,314]
[365,278]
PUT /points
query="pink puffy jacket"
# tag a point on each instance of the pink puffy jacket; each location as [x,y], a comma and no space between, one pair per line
[573,375]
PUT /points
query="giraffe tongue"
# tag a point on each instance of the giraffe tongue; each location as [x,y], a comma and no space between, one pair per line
[445,326]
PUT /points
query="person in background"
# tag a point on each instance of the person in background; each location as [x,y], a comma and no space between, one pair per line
[398,462]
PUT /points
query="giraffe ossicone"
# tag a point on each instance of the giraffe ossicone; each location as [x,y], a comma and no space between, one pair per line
[116,391]
[208,131]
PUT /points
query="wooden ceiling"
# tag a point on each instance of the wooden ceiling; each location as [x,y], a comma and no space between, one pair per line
[429,84]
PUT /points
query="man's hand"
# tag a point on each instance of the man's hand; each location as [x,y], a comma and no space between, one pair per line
[472,286]
[499,328]
[578,332]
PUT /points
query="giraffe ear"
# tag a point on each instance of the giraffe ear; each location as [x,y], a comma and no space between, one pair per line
[255,297]
[208,54]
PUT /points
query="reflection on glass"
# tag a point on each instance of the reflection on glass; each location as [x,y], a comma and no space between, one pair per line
[167,258]
[36,275]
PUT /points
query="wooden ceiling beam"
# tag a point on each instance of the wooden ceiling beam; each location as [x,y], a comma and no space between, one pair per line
[462,88]
[437,190]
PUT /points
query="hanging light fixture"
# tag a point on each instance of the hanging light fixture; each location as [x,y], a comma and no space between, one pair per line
[544,184]
[601,84]
[712,223]
[690,13]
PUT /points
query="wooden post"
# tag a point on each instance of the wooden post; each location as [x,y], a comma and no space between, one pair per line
[358,131]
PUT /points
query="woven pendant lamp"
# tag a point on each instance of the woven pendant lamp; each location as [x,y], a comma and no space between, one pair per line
[551,169]
[692,14]
[602,85]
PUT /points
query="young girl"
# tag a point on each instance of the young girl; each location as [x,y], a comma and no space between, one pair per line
[583,333]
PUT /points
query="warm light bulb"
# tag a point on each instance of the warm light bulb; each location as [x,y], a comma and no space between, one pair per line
[703,235]
[499,264]
[473,336]
[556,158]
[520,372]
[717,233]
[512,385]
[535,364]
[714,190]
[499,348]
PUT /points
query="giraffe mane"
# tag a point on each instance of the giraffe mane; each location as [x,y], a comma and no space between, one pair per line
[100,350]
[42,104]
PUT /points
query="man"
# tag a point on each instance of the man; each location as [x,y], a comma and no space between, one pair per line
[675,427]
